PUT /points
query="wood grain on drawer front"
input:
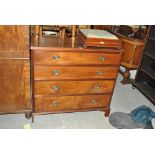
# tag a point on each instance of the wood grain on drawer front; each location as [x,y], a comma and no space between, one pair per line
[75,58]
[73,87]
[47,104]
[71,72]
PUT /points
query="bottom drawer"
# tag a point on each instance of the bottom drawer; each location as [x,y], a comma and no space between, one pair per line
[47,104]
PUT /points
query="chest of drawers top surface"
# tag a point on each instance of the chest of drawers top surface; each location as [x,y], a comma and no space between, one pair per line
[57,44]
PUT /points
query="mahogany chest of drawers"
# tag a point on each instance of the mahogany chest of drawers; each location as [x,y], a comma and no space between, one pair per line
[68,79]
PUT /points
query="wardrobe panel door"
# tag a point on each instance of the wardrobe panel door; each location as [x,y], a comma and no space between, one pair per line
[14,86]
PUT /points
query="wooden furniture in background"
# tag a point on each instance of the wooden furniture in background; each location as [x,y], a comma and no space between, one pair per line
[14,70]
[68,79]
[145,77]
[132,52]
[58,30]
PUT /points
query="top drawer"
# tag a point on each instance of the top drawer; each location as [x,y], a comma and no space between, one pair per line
[75,58]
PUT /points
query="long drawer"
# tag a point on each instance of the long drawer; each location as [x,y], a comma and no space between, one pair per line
[49,104]
[72,72]
[72,87]
[75,58]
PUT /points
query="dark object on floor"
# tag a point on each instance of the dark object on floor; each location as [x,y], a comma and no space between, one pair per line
[138,118]
[123,120]
[142,114]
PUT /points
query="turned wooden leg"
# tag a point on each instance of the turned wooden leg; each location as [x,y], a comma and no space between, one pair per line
[41,31]
[28,115]
[133,87]
[106,112]
[32,118]
[63,33]
[126,76]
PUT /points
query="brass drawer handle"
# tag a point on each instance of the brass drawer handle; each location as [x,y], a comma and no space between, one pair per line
[56,88]
[55,72]
[54,103]
[101,42]
[99,73]
[56,57]
[101,58]
[93,101]
[97,86]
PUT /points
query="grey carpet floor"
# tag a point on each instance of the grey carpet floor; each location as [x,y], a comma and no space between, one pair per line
[124,99]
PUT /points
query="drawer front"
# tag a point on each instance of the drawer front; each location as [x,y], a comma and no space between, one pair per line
[49,104]
[73,87]
[75,58]
[58,72]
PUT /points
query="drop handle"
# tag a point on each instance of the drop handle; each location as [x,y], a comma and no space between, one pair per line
[97,86]
[99,73]
[55,72]
[56,57]
[54,103]
[56,88]
[101,58]
[101,42]
[93,101]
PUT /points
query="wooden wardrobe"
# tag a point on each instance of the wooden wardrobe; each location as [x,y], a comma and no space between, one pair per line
[15,69]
